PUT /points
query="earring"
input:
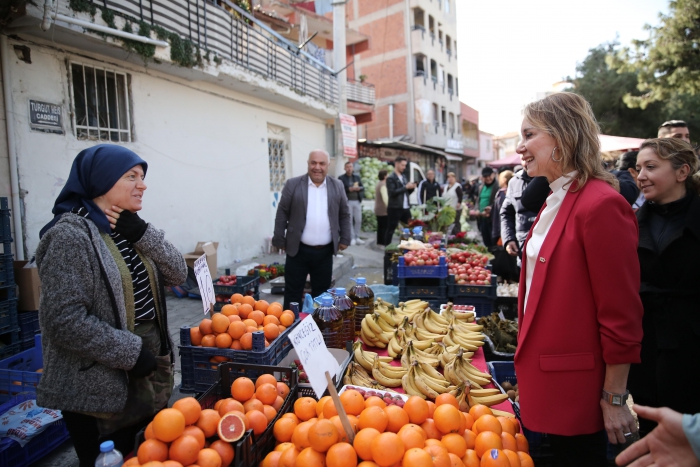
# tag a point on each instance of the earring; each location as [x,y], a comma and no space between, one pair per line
[552,156]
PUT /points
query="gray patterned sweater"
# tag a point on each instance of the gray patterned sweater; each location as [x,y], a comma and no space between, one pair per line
[86,358]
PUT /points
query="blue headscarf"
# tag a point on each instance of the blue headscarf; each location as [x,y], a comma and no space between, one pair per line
[94,172]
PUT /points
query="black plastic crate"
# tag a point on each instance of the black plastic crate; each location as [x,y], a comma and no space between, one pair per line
[468,290]
[9,344]
[245,285]
[28,325]
[435,288]
[8,316]
[7,272]
[5,224]
[483,306]
[305,389]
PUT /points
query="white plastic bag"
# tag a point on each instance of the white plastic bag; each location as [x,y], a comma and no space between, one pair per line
[26,420]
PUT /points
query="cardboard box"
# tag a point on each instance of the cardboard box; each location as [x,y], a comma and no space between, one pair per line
[204,247]
[27,280]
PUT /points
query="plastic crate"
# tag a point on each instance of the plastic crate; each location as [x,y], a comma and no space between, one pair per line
[18,372]
[28,325]
[8,316]
[12,454]
[491,354]
[508,306]
[483,306]
[434,288]
[8,293]
[199,374]
[467,290]
[9,344]
[5,224]
[344,357]
[435,272]
[244,285]
[7,272]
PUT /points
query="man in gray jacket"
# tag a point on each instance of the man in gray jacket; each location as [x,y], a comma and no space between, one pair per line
[312,224]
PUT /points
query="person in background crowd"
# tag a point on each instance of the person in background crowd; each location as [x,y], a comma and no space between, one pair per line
[535,194]
[398,188]
[108,361]
[484,201]
[428,188]
[312,224]
[355,192]
[675,442]
[453,197]
[625,174]
[503,181]
[628,163]
[669,254]
[471,189]
[573,332]
[515,219]
[381,199]
[674,129]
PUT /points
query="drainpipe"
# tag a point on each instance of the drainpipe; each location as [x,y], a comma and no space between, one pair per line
[391,121]
[46,22]
[12,148]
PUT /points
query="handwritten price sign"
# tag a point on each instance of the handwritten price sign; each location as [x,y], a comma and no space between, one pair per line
[313,354]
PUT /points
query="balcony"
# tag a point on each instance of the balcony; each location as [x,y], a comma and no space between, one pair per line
[361,92]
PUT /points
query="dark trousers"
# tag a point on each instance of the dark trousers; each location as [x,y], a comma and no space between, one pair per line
[317,263]
[580,451]
[485,227]
[395,215]
[86,437]
[382,222]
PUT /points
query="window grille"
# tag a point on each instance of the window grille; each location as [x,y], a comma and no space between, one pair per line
[100,103]
[278,169]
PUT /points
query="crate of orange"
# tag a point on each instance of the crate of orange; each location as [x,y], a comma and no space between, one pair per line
[226,426]
[245,331]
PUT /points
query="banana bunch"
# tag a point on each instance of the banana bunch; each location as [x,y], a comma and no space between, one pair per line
[425,381]
[413,353]
[366,358]
[376,331]
[388,375]
[461,369]
[431,322]
[411,308]
[486,397]
[451,314]
[358,376]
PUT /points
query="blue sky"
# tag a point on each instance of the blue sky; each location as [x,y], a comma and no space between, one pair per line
[509,50]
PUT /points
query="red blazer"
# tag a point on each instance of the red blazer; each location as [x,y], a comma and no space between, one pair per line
[584,311]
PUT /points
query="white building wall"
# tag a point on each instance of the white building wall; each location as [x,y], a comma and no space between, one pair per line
[206,146]
[485,147]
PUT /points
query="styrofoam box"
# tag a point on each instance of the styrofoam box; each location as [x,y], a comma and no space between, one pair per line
[340,355]
[378,391]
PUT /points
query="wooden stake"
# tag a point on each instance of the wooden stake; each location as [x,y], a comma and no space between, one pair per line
[341,410]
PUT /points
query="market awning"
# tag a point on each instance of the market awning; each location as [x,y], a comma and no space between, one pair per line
[413,147]
[619,143]
[512,159]
[452,158]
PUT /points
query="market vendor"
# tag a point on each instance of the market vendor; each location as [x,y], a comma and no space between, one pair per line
[108,361]
[576,339]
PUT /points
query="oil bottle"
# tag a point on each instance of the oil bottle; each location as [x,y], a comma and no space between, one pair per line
[347,308]
[363,298]
[330,321]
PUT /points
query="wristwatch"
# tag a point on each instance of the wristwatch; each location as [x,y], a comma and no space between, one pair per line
[615,399]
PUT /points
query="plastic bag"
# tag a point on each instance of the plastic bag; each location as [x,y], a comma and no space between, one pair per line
[308,306]
[26,420]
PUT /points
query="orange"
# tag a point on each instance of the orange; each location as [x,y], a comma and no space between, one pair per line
[353,402]
[195,336]
[190,409]
[373,417]
[523,444]
[478,410]
[246,341]
[456,444]
[486,441]
[242,389]
[322,435]
[251,323]
[329,410]
[412,438]
[430,429]
[282,328]
[341,455]
[234,318]
[208,458]
[282,446]
[488,423]
[470,459]
[397,418]
[495,458]
[374,401]
[455,461]
[208,422]
[244,310]
[448,418]
[225,451]
[462,423]
[148,434]
[321,402]
[196,433]
[257,316]
[283,429]
[507,425]
[266,393]
[287,318]
[440,456]
[413,426]
[470,437]
[387,449]
[236,345]
[469,421]
[252,404]
[305,408]
[434,442]
[300,435]
[282,389]
[236,298]
[311,458]
[224,341]
[168,425]
[133,462]
[446,398]
[229,310]
[232,426]
[271,331]
[509,442]
[229,405]
[248,300]
[184,450]
[205,326]
[525,459]
[367,464]
[277,405]
[431,408]
[152,450]
[416,457]
[271,460]
[257,421]
[274,310]
[288,458]
[209,340]
[261,305]
[219,323]
[513,458]
[417,409]
[363,443]
[270,412]
[292,416]
[236,329]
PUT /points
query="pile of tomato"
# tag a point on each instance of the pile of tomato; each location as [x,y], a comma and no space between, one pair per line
[469,267]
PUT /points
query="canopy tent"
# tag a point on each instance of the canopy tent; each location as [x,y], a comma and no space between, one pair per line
[510,160]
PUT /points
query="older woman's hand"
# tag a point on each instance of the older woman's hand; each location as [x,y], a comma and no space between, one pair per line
[618,422]
[126,223]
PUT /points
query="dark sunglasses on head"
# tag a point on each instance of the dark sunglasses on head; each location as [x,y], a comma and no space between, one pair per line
[673,123]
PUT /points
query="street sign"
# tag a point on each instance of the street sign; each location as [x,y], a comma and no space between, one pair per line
[45,116]
[348,126]
[204,281]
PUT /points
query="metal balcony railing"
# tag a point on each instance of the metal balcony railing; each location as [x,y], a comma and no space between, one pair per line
[360,92]
[241,39]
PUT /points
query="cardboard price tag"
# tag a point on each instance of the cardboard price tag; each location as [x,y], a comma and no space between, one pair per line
[204,281]
[313,354]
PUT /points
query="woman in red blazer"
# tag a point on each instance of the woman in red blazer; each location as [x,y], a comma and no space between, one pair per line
[579,309]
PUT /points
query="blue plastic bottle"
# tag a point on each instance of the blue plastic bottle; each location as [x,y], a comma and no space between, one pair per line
[347,308]
[418,233]
[330,321]
[109,457]
[363,298]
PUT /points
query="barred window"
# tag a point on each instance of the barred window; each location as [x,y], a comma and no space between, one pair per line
[101,104]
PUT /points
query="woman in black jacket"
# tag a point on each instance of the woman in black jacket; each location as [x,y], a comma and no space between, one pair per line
[669,255]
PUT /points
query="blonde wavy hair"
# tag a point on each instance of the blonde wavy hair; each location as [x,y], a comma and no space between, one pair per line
[569,119]
[679,152]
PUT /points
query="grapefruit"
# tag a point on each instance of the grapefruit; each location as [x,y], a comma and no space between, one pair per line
[231,427]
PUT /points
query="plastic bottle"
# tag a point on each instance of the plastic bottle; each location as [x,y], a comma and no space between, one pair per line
[330,322]
[363,298]
[405,235]
[418,233]
[347,308]
[109,457]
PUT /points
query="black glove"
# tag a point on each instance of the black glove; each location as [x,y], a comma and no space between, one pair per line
[131,226]
[145,364]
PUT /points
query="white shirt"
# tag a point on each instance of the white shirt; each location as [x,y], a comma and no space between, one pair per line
[317,231]
[540,230]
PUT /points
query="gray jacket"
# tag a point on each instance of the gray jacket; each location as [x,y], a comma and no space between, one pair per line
[86,358]
[291,214]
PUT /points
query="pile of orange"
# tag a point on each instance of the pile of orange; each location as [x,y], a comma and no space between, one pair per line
[233,328]
[421,434]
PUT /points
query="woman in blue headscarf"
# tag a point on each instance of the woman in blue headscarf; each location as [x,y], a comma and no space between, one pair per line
[107,353]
